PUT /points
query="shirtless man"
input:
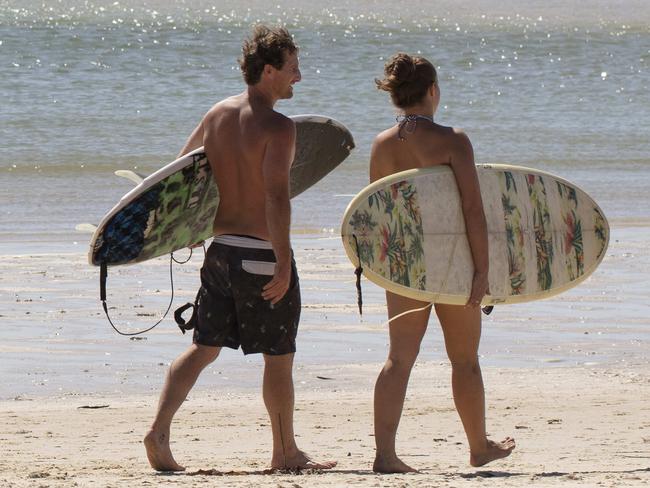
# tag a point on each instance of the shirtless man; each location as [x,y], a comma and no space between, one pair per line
[249,294]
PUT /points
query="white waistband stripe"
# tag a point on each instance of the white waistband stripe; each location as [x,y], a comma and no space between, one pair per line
[242,241]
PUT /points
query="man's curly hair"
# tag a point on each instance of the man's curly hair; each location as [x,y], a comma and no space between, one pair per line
[265,46]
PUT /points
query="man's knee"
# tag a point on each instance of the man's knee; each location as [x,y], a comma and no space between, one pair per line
[278,361]
[204,354]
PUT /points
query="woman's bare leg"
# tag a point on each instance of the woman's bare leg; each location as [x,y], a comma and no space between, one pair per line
[461,327]
[406,334]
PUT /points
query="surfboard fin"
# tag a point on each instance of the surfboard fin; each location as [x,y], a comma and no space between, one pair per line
[130,175]
[85,228]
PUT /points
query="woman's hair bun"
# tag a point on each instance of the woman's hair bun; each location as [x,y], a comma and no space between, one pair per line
[407,78]
[401,68]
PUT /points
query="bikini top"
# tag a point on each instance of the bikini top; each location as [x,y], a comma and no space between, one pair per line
[408,123]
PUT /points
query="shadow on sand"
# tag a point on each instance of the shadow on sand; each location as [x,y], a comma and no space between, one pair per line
[367,472]
[549,474]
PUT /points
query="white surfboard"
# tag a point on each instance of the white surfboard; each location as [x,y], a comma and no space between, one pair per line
[407,232]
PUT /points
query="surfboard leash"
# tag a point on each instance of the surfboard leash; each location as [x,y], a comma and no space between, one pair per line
[103,278]
[358,272]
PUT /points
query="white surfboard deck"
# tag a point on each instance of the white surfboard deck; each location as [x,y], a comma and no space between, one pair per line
[545,234]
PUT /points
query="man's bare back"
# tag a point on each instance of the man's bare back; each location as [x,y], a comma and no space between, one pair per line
[237,134]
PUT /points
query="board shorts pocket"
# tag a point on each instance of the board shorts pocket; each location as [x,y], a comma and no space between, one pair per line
[258,267]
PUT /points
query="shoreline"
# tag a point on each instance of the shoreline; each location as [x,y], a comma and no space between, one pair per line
[56,339]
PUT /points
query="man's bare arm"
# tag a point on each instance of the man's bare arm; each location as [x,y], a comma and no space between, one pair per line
[195,140]
[278,157]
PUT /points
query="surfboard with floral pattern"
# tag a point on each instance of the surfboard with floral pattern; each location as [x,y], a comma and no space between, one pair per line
[407,231]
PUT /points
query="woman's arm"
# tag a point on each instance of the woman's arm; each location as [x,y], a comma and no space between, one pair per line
[462,164]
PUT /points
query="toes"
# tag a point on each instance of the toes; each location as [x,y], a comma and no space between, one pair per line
[325,465]
[509,442]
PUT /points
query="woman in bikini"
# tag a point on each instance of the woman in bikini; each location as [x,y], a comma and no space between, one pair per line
[417,141]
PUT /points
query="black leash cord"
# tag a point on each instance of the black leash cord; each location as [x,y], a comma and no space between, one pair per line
[188,257]
[358,272]
[103,274]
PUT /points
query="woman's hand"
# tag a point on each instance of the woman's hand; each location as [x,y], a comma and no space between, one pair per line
[480,287]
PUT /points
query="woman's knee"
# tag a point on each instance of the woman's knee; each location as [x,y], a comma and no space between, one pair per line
[403,360]
[465,364]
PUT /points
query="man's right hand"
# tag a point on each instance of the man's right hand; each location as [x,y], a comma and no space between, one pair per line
[275,289]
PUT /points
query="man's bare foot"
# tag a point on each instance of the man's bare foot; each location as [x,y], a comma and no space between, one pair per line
[391,465]
[300,461]
[493,451]
[159,453]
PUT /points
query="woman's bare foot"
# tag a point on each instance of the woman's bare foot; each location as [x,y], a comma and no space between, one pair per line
[159,453]
[300,461]
[391,465]
[493,451]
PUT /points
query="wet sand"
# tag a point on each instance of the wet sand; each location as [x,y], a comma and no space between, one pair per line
[568,377]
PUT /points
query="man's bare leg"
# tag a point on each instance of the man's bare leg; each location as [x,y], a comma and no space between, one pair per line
[462,330]
[181,377]
[279,400]
[406,334]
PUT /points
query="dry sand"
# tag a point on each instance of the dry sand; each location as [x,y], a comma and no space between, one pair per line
[573,426]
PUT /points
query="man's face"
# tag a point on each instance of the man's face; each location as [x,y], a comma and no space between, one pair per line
[288,75]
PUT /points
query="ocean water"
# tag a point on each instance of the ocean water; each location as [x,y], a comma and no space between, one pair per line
[91,87]
[88,87]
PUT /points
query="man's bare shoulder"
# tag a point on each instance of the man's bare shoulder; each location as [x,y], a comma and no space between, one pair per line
[274,128]
[277,124]
[227,106]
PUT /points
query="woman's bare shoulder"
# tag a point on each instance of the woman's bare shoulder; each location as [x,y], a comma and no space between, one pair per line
[381,159]
[385,137]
